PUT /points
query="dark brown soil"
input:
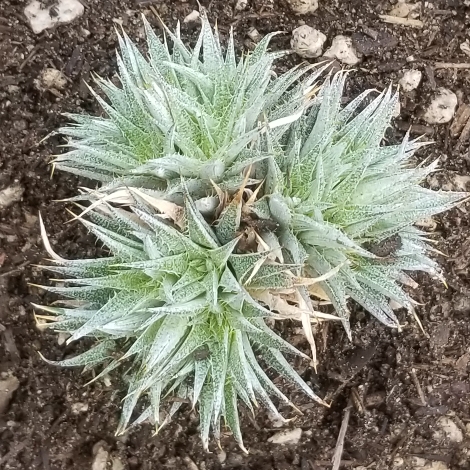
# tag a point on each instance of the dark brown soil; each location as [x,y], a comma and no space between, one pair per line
[45,425]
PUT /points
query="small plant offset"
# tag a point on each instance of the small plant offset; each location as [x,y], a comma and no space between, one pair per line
[231,195]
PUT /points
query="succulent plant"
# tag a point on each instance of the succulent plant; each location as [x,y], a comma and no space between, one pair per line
[176,304]
[244,195]
[196,114]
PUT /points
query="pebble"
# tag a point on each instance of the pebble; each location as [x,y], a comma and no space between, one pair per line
[193,16]
[290,437]
[52,79]
[241,5]
[303,7]
[447,429]
[442,107]
[10,195]
[307,42]
[100,458]
[79,407]
[253,34]
[417,463]
[403,9]
[117,464]
[410,80]
[221,456]
[465,47]
[342,49]
[64,11]
[8,386]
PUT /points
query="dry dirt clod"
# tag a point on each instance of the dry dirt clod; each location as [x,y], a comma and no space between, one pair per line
[303,7]
[307,42]
[442,107]
[447,429]
[64,11]
[7,387]
[290,437]
[342,49]
[410,80]
[10,195]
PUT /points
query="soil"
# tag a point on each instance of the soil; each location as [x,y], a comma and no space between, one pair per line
[401,384]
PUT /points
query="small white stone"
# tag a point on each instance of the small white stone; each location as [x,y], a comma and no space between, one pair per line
[40,18]
[465,47]
[342,49]
[117,464]
[410,80]
[442,107]
[290,437]
[100,460]
[398,462]
[403,9]
[193,16]
[241,5]
[418,462]
[303,7]
[79,407]
[53,79]
[221,456]
[307,42]
[253,34]
[447,430]
[10,195]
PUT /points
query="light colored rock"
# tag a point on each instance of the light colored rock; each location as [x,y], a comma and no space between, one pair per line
[402,9]
[253,34]
[221,456]
[417,463]
[64,11]
[10,195]
[289,437]
[8,386]
[410,80]
[52,79]
[398,462]
[343,50]
[447,429]
[193,16]
[307,42]
[442,107]
[241,5]
[465,47]
[117,464]
[303,7]
[100,459]
[79,407]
